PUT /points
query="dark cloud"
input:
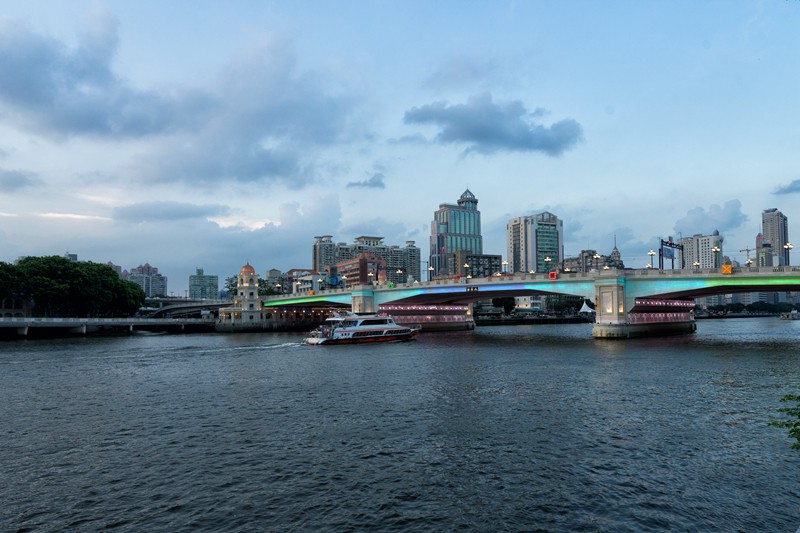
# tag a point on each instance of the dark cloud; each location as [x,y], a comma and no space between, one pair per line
[273,121]
[14,180]
[263,120]
[724,219]
[58,91]
[487,127]
[167,211]
[793,187]
[374,182]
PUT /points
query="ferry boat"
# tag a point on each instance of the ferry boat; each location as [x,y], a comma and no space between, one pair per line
[350,328]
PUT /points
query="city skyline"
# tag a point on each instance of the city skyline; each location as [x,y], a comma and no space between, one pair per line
[210,135]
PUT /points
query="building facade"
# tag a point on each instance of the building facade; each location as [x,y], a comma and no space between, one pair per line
[535,243]
[455,228]
[203,286]
[701,251]
[775,232]
[147,277]
[400,264]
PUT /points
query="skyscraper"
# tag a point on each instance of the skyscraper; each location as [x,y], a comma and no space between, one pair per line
[534,243]
[775,231]
[455,228]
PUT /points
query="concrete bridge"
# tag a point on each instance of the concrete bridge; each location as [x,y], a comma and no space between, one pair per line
[628,302]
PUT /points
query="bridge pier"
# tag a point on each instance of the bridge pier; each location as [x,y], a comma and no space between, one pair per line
[22,331]
[622,316]
[363,299]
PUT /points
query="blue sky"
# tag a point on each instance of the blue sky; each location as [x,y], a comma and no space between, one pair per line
[208,134]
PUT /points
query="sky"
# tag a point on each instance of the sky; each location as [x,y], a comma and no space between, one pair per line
[200,134]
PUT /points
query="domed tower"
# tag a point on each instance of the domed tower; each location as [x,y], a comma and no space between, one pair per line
[247,312]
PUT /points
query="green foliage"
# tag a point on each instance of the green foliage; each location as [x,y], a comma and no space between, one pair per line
[793,424]
[57,287]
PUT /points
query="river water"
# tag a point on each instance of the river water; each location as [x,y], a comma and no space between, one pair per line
[517,428]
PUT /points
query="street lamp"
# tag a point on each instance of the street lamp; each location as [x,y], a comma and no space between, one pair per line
[651,253]
[547,263]
[749,262]
[596,260]
[696,265]
[505,266]
[788,247]
[344,279]
[716,249]
[466,268]
[430,273]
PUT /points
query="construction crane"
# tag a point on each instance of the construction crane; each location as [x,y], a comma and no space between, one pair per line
[747,251]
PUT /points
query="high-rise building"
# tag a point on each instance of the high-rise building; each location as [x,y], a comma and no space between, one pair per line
[202,286]
[455,228]
[535,243]
[701,251]
[775,232]
[401,263]
[147,277]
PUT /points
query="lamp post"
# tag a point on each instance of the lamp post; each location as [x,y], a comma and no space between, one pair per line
[696,265]
[505,266]
[651,253]
[749,262]
[430,273]
[596,260]
[716,249]
[788,247]
[466,269]
[344,281]
[547,263]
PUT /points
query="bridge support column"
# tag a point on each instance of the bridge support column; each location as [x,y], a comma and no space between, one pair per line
[80,330]
[615,319]
[22,331]
[363,299]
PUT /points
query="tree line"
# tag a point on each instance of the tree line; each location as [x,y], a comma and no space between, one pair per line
[57,287]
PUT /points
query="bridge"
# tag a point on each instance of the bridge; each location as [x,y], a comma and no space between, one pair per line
[16,327]
[628,303]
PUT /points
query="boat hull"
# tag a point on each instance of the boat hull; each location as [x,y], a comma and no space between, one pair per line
[317,341]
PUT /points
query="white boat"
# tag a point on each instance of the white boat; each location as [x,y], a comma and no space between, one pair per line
[350,328]
[793,315]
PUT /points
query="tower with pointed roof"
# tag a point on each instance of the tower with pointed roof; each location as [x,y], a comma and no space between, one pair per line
[455,228]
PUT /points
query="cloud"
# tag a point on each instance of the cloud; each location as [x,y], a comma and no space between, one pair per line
[14,180]
[724,219]
[167,211]
[272,124]
[487,127]
[57,91]
[261,119]
[375,182]
[793,187]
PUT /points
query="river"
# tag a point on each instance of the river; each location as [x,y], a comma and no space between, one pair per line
[511,428]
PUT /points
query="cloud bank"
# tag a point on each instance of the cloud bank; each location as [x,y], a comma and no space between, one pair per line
[487,127]
[725,218]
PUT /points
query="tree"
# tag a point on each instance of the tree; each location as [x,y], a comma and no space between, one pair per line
[507,303]
[793,424]
[57,287]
